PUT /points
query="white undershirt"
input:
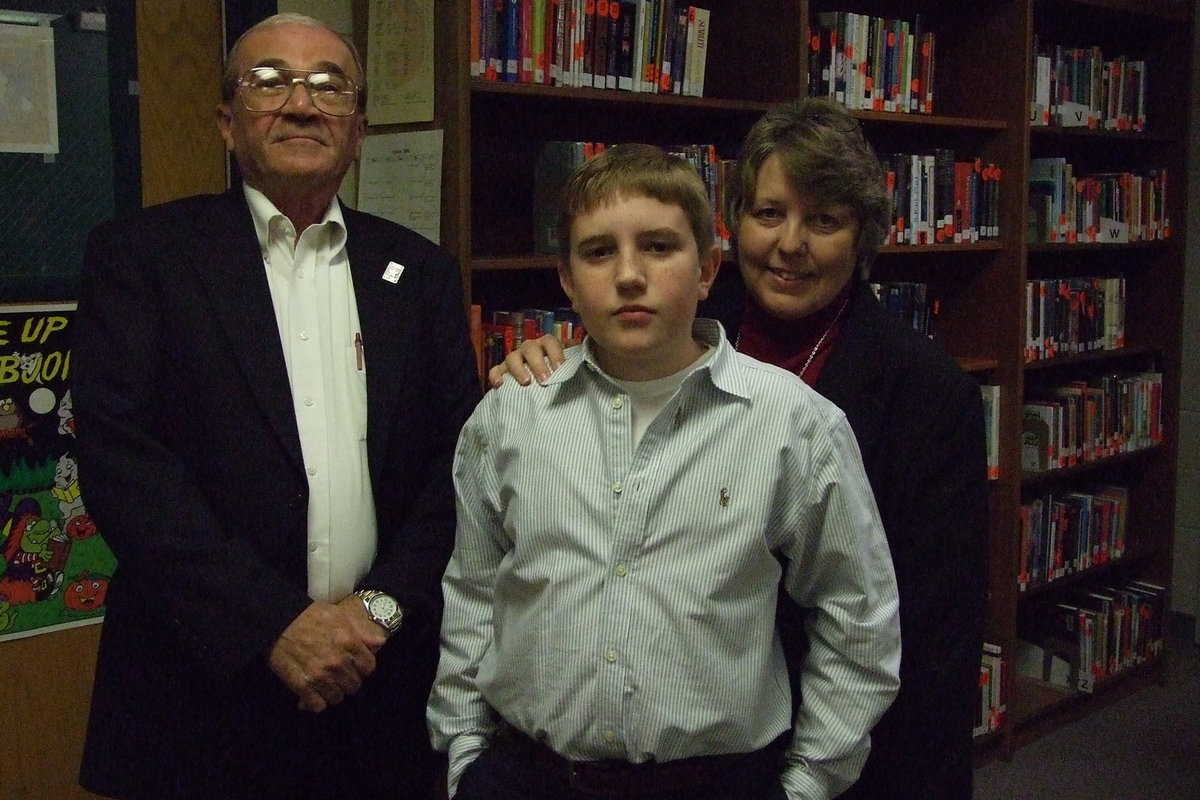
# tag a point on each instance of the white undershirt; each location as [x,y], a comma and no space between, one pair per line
[317,317]
[649,397]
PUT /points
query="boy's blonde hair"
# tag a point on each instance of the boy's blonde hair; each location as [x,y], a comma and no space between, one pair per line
[638,170]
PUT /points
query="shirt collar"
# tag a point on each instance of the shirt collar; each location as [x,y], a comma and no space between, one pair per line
[264,212]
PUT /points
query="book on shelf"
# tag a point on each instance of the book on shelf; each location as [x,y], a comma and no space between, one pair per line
[559,12]
[991,427]
[943,195]
[511,41]
[612,69]
[648,66]
[600,30]
[640,24]
[1039,106]
[1031,524]
[627,16]
[525,37]
[537,48]
[697,54]
[665,43]
[993,704]
[475,32]
[587,46]
[1040,436]
[928,61]
[679,45]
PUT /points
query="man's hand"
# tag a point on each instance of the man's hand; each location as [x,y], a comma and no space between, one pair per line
[327,652]
[529,361]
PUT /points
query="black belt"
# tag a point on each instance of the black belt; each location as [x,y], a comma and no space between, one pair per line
[624,778]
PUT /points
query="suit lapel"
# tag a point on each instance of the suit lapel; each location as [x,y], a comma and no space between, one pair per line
[385,317]
[236,283]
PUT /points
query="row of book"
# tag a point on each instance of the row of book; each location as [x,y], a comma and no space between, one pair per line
[1085,421]
[1104,208]
[908,301]
[1076,87]
[1063,533]
[871,63]
[558,159]
[992,700]
[496,334]
[1066,316]
[938,200]
[1090,634]
[656,46]
[935,199]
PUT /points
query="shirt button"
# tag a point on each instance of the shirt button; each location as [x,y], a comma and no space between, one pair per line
[618,402]
[617,487]
[308,401]
[304,336]
[622,570]
[610,655]
[312,470]
[312,548]
[610,736]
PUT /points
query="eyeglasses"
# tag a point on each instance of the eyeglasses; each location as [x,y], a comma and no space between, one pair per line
[267,89]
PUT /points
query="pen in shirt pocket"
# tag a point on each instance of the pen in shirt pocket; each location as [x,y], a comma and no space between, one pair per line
[358,351]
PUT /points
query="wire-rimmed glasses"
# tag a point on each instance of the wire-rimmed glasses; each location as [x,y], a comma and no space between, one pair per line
[267,89]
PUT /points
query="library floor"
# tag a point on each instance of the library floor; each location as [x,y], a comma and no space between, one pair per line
[1143,747]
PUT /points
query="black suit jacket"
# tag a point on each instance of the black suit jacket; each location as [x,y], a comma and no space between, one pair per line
[918,420]
[190,463]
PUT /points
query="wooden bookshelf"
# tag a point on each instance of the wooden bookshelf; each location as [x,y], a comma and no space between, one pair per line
[758,57]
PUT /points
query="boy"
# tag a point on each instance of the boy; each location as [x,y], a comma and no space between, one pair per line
[610,604]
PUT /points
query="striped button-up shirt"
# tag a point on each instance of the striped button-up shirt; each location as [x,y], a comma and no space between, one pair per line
[619,602]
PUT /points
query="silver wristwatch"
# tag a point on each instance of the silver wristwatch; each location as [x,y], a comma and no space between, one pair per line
[382,608]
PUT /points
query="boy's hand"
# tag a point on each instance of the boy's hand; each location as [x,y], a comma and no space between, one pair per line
[535,358]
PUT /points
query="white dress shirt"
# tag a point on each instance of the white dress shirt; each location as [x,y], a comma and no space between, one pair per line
[317,320]
[618,601]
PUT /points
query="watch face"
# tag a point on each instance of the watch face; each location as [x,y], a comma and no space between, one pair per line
[383,607]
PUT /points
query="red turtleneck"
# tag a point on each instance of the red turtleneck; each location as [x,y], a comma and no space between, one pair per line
[790,343]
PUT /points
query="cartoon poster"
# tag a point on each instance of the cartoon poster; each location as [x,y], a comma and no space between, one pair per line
[55,566]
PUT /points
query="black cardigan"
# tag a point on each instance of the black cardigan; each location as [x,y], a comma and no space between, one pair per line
[919,423]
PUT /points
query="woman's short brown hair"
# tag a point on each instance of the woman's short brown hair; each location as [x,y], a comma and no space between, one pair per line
[827,159]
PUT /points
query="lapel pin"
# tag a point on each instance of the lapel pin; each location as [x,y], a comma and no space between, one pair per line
[392,273]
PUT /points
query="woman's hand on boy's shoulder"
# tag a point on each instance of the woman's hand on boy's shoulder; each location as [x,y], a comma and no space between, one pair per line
[535,359]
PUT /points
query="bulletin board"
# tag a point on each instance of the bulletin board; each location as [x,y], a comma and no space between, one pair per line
[54,197]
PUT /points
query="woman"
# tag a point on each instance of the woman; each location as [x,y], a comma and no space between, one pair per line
[811,211]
